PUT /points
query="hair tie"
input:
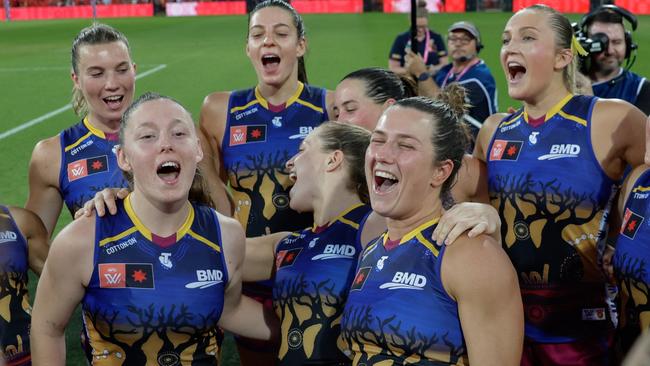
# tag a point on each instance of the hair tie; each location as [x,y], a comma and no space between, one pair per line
[577,48]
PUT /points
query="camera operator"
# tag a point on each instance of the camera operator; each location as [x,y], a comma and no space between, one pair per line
[609,69]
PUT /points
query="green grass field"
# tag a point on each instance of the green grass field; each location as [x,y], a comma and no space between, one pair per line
[201,54]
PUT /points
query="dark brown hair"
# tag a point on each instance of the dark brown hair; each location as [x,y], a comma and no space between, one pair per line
[297,22]
[449,133]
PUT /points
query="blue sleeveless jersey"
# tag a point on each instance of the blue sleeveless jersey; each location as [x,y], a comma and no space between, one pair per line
[256,145]
[626,86]
[631,261]
[154,304]
[553,198]
[88,164]
[15,311]
[314,271]
[398,312]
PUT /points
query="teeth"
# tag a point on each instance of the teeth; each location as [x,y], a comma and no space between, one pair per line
[114,98]
[386,175]
[169,164]
[513,64]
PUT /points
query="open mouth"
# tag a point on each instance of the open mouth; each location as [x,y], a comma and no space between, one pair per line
[114,101]
[384,181]
[270,61]
[169,171]
[293,177]
[515,71]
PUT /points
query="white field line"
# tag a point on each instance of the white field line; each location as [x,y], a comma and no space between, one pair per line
[53,113]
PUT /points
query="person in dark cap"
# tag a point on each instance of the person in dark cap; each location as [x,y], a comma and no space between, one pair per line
[466,68]
[430,45]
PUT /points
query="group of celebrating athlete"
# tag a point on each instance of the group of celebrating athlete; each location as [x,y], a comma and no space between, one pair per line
[371,240]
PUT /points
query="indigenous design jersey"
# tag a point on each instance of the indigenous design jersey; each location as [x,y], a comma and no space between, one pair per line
[398,312]
[553,196]
[15,311]
[626,86]
[631,260]
[88,164]
[314,270]
[258,141]
[155,300]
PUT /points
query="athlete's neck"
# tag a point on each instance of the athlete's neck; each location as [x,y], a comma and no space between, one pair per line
[110,126]
[398,228]
[279,94]
[539,105]
[605,75]
[333,200]
[161,218]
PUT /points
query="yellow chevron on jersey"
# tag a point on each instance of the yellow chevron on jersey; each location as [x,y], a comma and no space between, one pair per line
[204,240]
[640,189]
[91,131]
[417,233]
[342,218]
[146,232]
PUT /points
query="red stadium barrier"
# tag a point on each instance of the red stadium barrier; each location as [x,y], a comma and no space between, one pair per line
[205,8]
[2,14]
[68,12]
[635,6]
[434,6]
[563,6]
[328,6]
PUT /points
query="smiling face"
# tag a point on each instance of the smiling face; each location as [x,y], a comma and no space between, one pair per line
[530,58]
[161,150]
[106,77]
[609,61]
[400,164]
[274,45]
[352,105]
[306,170]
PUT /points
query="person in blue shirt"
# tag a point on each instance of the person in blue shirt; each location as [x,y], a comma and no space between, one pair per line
[466,69]
[23,246]
[158,279]
[553,167]
[414,300]
[429,44]
[610,79]
[80,161]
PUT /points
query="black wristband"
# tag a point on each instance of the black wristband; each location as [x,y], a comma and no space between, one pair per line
[424,76]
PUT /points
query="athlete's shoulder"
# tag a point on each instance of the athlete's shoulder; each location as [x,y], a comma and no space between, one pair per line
[46,158]
[216,101]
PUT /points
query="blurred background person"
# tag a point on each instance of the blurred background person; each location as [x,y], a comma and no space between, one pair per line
[609,70]
[429,44]
[466,69]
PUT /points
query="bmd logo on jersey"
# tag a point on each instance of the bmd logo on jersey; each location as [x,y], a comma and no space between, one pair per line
[126,275]
[303,131]
[360,279]
[560,151]
[335,251]
[286,257]
[206,278]
[85,167]
[7,236]
[505,150]
[631,223]
[405,281]
[240,135]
